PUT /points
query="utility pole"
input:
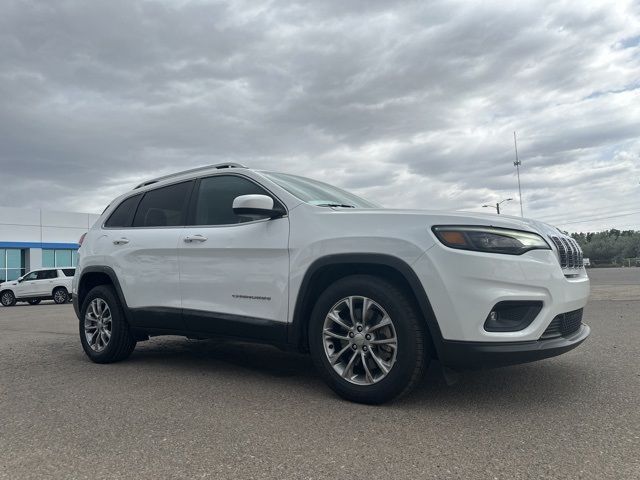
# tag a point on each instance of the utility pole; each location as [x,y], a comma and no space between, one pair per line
[498,208]
[517,164]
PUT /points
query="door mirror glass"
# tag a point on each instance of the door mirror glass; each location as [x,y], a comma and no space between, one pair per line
[255,206]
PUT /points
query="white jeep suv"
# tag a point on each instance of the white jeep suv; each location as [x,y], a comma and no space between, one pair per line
[373,294]
[37,285]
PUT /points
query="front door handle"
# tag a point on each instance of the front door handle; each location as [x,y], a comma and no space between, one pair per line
[121,241]
[195,238]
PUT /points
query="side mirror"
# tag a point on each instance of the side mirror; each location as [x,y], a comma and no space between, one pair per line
[256,206]
[19,279]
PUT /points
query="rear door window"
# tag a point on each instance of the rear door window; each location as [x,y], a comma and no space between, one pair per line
[164,207]
[47,274]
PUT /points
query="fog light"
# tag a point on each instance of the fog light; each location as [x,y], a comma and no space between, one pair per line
[512,316]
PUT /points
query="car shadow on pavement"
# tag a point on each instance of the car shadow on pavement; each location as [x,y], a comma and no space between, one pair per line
[561,381]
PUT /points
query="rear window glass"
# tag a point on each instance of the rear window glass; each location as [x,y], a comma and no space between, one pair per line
[122,216]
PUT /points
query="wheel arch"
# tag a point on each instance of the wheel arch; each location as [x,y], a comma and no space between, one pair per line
[58,287]
[94,276]
[328,269]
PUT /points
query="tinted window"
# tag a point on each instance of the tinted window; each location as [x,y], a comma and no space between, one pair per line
[47,274]
[31,276]
[122,216]
[69,272]
[163,207]
[214,201]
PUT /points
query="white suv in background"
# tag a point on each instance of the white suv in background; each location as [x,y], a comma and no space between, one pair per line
[37,285]
[373,294]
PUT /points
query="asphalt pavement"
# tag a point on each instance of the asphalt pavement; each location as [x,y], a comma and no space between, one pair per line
[202,409]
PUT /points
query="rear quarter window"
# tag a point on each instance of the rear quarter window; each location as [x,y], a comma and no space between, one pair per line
[122,216]
[69,272]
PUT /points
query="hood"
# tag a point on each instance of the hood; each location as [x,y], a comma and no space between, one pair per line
[444,217]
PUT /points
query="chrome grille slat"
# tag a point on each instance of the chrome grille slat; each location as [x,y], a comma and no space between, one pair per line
[569,252]
[569,248]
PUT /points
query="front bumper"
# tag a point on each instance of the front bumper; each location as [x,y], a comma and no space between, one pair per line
[478,355]
[463,287]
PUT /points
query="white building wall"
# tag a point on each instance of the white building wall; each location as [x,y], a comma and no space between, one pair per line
[32,230]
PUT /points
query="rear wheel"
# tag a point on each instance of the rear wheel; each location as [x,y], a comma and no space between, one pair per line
[34,301]
[7,298]
[104,332]
[60,295]
[367,339]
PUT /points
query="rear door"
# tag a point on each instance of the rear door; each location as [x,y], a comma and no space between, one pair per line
[233,269]
[140,244]
[45,282]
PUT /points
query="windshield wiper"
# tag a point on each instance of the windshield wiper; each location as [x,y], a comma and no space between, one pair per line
[343,205]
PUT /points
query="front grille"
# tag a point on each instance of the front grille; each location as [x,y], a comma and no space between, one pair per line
[569,252]
[563,325]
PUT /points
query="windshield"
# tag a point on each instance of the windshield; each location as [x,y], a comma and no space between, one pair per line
[317,193]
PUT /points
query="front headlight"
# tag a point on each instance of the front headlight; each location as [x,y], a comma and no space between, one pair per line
[489,239]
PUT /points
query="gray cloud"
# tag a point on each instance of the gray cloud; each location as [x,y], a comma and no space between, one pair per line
[413,103]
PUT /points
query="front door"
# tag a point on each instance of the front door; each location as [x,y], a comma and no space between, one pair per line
[233,269]
[27,286]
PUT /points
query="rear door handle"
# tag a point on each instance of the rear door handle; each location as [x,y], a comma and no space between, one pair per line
[121,241]
[195,238]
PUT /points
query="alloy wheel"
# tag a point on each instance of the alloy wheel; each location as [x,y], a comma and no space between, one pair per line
[7,299]
[98,325]
[60,296]
[360,340]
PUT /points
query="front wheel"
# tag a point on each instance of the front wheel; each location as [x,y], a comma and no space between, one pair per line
[104,331]
[8,299]
[367,339]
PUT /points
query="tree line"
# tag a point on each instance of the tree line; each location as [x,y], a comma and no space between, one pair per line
[610,247]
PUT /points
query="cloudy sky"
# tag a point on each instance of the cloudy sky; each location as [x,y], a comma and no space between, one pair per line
[412,104]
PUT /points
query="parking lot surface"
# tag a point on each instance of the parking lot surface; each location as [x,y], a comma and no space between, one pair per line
[203,409]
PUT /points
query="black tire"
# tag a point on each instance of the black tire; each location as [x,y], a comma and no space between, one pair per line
[412,355]
[7,298]
[34,301]
[60,295]
[122,342]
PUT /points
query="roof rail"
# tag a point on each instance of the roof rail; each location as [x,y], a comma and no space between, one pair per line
[192,170]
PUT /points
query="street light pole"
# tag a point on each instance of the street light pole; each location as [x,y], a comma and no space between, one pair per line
[497,207]
[517,164]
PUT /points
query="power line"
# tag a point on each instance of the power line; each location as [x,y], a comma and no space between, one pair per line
[597,211]
[586,219]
